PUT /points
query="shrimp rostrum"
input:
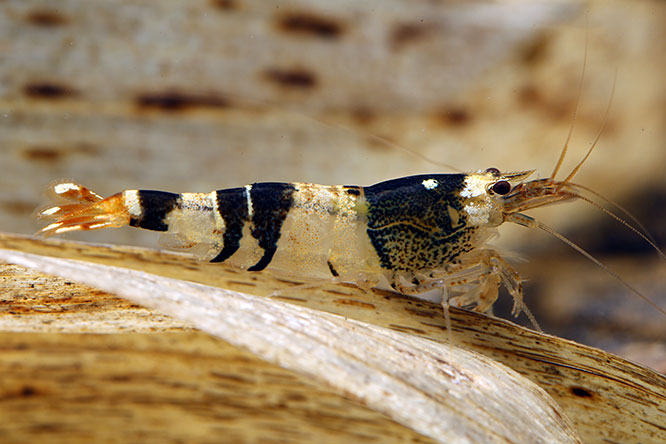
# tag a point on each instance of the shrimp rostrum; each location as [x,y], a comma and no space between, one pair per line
[419,233]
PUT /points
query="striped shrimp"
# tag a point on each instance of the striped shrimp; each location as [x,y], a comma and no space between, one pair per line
[419,233]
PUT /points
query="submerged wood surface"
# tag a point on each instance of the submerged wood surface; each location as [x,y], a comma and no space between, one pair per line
[167,388]
[446,393]
[605,396]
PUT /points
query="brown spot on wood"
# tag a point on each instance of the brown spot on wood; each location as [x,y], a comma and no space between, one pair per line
[292,79]
[581,392]
[440,327]
[43,154]
[173,101]
[529,95]
[288,281]
[335,292]
[48,90]
[225,5]
[556,108]
[307,23]
[536,51]
[363,116]
[455,116]
[296,397]
[290,298]
[28,391]
[48,428]
[236,379]
[422,313]
[355,303]
[242,283]
[405,329]
[409,33]
[46,18]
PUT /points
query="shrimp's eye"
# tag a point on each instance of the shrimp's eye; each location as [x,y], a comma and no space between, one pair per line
[502,187]
[493,171]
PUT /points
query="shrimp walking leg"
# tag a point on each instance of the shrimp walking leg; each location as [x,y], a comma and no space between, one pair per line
[472,284]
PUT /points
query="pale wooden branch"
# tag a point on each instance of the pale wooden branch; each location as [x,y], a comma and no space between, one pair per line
[594,388]
[443,392]
[169,388]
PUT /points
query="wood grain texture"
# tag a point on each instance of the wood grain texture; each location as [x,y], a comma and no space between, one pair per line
[167,388]
[605,396]
[444,392]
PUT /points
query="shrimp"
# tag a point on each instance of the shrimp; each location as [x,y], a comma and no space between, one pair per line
[419,233]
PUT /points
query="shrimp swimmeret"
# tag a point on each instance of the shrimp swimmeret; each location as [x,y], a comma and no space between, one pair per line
[421,233]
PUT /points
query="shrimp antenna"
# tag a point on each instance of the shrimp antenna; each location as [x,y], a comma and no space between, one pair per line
[596,139]
[643,236]
[383,140]
[624,211]
[527,221]
[563,153]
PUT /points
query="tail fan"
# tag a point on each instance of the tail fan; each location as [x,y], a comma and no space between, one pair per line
[89,210]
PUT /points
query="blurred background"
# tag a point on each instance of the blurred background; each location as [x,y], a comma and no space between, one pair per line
[211,94]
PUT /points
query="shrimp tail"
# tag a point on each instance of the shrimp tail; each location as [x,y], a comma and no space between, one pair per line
[88,210]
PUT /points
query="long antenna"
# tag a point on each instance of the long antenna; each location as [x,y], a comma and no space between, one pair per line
[616,205]
[601,130]
[573,118]
[527,221]
[386,142]
[639,229]
[383,140]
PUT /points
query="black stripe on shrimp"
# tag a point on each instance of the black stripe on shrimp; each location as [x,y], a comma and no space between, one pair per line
[152,209]
[271,202]
[232,206]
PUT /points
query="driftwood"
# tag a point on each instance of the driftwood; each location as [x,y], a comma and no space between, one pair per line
[605,396]
[446,393]
[190,96]
[168,388]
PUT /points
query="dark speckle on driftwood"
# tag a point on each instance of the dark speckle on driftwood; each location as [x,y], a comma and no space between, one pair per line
[48,90]
[46,18]
[310,24]
[172,101]
[292,78]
